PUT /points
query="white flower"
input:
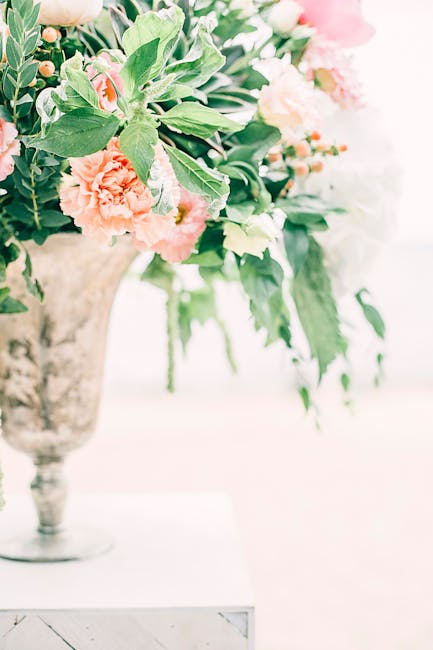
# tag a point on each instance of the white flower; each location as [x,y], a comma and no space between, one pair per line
[283,16]
[69,12]
[245,7]
[289,103]
[366,181]
[253,236]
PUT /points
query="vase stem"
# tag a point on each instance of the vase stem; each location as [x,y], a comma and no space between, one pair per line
[49,490]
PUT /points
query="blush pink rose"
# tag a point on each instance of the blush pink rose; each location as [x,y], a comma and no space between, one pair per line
[103,83]
[9,146]
[339,20]
[105,197]
[179,242]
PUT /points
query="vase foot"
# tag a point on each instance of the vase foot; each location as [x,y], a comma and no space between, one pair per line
[65,546]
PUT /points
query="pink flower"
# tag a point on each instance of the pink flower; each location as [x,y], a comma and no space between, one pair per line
[338,20]
[9,146]
[333,72]
[103,83]
[191,218]
[288,103]
[105,197]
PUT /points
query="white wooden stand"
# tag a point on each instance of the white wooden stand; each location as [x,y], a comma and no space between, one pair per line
[175,580]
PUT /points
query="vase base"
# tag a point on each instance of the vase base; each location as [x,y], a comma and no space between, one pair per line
[70,544]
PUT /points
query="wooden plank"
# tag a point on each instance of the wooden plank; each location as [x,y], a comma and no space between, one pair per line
[33,634]
[7,623]
[108,631]
[148,630]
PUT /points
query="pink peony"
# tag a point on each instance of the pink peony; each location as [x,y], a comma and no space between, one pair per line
[105,197]
[9,146]
[339,20]
[103,83]
[333,72]
[191,218]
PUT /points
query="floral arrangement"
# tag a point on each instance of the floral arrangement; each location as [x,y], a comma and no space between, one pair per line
[202,130]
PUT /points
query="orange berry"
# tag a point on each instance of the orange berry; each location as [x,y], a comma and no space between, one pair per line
[301,169]
[322,146]
[317,166]
[49,34]
[47,68]
[343,148]
[302,149]
[32,83]
[274,156]
[290,184]
[315,135]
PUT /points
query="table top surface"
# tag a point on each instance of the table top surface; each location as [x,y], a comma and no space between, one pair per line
[171,551]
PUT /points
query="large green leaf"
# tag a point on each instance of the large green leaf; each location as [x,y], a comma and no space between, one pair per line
[194,119]
[138,68]
[79,84]
[138,142]
[201,62]
[200,179]
[262,280]
[165,25]
[81,132]
[317,310]
[306,210]
[296,244]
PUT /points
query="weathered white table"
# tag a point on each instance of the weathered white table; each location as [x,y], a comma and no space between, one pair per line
[175,580]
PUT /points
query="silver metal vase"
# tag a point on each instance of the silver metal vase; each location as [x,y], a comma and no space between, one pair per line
[51,369]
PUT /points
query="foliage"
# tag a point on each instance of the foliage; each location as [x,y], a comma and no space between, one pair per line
[185,76]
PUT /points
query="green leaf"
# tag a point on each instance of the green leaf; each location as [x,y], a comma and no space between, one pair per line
[53,219]
[12,306]
[259,138]
[262,281]
[261,278]
[306,210]
[165,25]
[13,53]
[371,314]
[33,286]
[201,62]
[81,132]
[79,82]
[200,179]
[296,244]
[304,394]
[138,142]
[194,119]
[316,308]
[138,67]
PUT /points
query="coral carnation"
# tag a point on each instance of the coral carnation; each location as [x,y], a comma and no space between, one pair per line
[191,218]
[105,197]
[9,146]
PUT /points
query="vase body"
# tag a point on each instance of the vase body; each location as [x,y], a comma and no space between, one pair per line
[51,370]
